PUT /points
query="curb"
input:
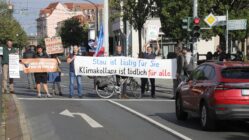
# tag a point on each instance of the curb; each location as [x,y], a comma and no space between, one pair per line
[22,120]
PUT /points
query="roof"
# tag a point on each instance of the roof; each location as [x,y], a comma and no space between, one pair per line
[71,6]
[82,6]
[49,9]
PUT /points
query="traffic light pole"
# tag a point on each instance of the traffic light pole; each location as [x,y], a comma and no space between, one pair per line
[195,14]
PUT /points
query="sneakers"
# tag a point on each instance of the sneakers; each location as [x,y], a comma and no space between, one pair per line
[124,96]
[39,95]
[49,95]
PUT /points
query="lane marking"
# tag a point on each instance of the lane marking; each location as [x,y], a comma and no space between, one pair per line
[89,120]
[151,121]
[22,118]
[70,99]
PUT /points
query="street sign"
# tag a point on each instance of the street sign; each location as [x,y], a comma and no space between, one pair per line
[210,19]
[221,21]
[237,24]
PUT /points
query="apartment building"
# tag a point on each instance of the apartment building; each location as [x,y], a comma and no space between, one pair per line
[51,17]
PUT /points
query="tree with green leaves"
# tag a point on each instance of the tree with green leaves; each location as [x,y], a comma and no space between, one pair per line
[172,12]
[137,12]
[73,33]
[10,28]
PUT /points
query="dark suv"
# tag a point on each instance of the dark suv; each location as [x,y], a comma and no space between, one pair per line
[215,91]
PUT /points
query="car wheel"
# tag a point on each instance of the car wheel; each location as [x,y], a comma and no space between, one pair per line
[180,114]
[207,122]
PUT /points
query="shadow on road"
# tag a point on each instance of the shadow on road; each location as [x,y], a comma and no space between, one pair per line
[194,123]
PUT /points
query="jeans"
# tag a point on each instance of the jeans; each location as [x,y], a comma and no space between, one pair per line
[79,84]
[31,82]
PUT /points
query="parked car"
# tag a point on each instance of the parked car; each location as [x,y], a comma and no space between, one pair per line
[215,91]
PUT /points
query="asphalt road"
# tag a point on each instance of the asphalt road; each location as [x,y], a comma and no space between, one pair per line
[93,118]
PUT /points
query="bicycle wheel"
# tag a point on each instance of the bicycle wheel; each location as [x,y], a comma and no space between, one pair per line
[106,92]
[133,86]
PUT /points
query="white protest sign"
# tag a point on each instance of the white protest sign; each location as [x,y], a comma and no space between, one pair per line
[54,45]
[152,32]
[125,66]
[14,66]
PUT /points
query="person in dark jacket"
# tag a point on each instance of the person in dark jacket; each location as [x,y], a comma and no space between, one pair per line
[179,69]
[7,50]
[30,76]
[70,60]
[148,54]
[41,77]
[123,94]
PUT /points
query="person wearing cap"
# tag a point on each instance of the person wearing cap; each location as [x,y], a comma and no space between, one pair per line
[41,77]
[30,76]
[148,54]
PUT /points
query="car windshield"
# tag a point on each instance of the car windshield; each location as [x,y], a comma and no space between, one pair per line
[236,73]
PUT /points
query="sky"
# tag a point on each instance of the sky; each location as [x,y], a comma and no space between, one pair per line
[27,11]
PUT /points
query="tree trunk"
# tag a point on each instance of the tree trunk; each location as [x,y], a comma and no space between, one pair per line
[140,41]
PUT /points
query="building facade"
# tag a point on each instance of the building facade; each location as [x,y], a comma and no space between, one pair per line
[51,17]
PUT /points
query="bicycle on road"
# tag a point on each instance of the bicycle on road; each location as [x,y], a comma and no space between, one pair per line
[106,86]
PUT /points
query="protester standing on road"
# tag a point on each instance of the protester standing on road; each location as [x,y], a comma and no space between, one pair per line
[179,69]
[118,77]
[7,50]
[30,77]
[220,55]
[209,56]
[188,61]
[41,77]
[149,55]
[70,61]
[55,77]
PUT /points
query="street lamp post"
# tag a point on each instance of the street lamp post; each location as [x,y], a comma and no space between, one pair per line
[97,15]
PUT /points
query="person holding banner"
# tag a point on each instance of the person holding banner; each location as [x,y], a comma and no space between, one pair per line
[30,76]
[7,50]
[70,61]
[148,54]
[55,77]
[41,77]
[118,77]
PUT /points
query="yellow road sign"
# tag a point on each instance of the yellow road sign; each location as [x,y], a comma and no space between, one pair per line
[210,19]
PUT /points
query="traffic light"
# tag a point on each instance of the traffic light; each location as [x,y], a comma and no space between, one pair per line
[187,23]
[196,28]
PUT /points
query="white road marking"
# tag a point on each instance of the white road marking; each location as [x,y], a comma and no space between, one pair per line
[89,120]
[72,99]
[151,121]
[64,86]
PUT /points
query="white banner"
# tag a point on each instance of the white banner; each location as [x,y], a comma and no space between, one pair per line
[14,66]
[125,66]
